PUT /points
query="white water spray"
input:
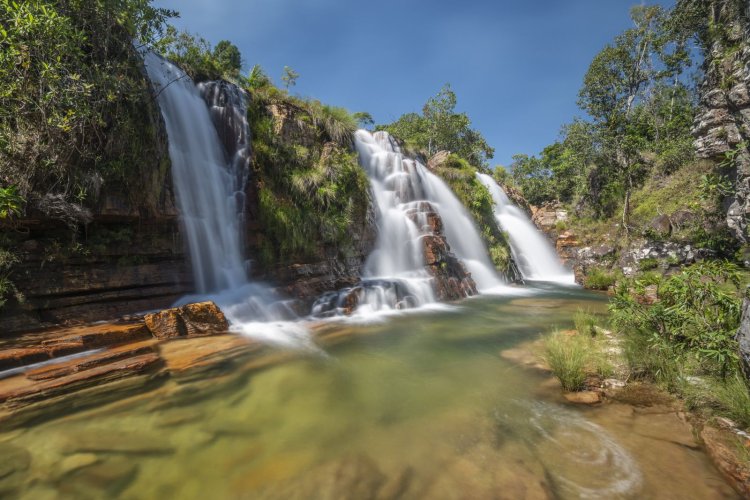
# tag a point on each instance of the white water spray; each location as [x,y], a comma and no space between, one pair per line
[208,189]
[204,185]
[405,191]
[532,252]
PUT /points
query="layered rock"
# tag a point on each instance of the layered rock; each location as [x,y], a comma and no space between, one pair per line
[722,126]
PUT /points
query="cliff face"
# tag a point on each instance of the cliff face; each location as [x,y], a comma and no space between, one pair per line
[722,126]
[299,237]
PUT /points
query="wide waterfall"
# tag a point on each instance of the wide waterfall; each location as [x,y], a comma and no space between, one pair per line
[208,187]
[533,253]
[204,184]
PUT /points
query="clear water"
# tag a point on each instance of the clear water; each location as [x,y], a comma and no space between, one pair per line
[418,405]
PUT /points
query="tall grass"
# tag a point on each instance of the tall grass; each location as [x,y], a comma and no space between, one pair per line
[585,322]
[568,357]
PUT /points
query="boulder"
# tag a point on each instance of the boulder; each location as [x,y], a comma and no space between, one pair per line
[191,320]
[660,225]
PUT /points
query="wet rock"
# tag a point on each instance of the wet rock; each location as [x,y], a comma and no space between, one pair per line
[18,392]
[77,461]
[584,397]
[14,358]
[723,448]
[435,249]
[83,363]
[106,479]
[191,320]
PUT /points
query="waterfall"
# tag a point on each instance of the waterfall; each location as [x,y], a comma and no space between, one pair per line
[205,185]
[209,178]
[405,195]
[227,104]
[533,253]
[404,188]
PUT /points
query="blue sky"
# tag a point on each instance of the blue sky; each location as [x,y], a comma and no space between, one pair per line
[516,66]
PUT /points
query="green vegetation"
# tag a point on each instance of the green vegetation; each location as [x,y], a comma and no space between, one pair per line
[198,59]
[573,357]
[600,279]
[313,194]
[696,316]
[585,322]
[462,179]
[75,110]
[686,340]
[440,128]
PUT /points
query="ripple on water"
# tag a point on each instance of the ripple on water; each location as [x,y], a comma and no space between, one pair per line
[582,459]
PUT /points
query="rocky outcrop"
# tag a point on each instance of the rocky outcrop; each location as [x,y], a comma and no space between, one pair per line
[191,320]
[722,126]
[743,339]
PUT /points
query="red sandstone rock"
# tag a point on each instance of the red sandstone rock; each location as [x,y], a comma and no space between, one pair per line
[723,451]
[191,320]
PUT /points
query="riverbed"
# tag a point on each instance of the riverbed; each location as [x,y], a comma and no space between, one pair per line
[413,405]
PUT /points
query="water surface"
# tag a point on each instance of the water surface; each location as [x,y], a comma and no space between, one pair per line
[414,406]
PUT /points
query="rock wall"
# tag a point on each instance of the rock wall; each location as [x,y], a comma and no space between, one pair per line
[289,141]
[722,125]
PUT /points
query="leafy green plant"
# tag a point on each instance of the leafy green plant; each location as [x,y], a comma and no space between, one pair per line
[10,202]
[648,264]
[696,316]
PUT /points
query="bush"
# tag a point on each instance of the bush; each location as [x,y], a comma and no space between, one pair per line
[695,318]
[648,264]
[599,279]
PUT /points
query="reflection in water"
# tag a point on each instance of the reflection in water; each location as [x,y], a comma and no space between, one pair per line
[415,406]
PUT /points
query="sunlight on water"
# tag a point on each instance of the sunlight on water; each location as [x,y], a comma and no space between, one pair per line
[410,406]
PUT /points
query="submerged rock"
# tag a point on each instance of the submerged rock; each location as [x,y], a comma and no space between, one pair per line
[191,320]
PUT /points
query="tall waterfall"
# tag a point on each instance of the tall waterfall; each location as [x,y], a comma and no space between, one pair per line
[208,188]
[204,184]
[404,190]
[533,253]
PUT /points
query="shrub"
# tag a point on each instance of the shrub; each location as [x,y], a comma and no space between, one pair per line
[696,317]
[648,264]
[599,279]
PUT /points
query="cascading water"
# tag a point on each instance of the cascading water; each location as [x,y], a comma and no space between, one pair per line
[204,185]
[209,192]
[533,253]
[227,104]
[405,194]
[403,188]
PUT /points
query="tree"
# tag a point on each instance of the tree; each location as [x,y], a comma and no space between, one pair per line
[229,58]
[615,82]
[289,77]
[439,127]
[364,119]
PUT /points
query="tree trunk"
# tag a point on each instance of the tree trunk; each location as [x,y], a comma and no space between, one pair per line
[626,206]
